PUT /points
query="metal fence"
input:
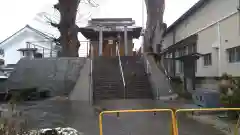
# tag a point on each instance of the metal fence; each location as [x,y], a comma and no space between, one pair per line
[174,114]
[117,112]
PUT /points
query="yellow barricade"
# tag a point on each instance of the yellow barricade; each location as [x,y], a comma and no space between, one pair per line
[173,112]
[174,128]
[207,109]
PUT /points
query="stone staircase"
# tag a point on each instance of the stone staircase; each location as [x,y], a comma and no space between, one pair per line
[137,83]
[108,83]
[107,80]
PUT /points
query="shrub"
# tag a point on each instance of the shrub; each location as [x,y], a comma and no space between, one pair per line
[12,122]
[230,94]
[178,87]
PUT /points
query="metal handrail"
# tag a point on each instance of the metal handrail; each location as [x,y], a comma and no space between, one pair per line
[162,69]
[167,76]
[121,69]
[90,83]
[91,77]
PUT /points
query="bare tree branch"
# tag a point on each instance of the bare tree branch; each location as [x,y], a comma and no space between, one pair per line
[56,6]
[90,2]
[69,16]
[55,25]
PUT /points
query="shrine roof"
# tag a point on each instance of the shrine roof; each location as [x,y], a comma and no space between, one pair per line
[92,32]
[111,21]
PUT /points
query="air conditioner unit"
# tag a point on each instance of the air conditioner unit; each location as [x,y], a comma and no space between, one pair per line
[216,45]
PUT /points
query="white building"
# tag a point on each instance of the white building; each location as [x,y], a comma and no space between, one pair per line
[13,47]
[212,28]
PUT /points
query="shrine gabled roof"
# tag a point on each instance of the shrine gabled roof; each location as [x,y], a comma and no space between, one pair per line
[111,21]
[90,32]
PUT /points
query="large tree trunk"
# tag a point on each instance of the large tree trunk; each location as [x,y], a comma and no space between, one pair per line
[68,28]
[155,25]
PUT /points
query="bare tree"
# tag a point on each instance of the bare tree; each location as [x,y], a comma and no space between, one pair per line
[68,10]
[155,25]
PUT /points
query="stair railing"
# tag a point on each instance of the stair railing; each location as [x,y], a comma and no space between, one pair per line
[162,68]
[168,78]
[91,98]
[90,83]
[121,70]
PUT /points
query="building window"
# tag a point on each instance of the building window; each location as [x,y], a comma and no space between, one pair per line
[234,54]
[179,64]
[192,49]
[1,52]
[195,66]
[207,58]
[181,52]
[181,67]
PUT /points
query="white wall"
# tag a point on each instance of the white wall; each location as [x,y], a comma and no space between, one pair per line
[168,40]
[206,39]
[230,31]
[208,14]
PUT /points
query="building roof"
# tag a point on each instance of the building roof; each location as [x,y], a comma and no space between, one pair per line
[111,19]
[29,27]
[184,42]
[111,22]
[91,33]
[190,12]
[193,56]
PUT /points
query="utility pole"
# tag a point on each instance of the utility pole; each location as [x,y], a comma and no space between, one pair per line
[142,45]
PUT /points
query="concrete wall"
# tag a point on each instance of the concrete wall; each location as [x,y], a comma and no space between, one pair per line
[81,91]
[57,74]
[207,84]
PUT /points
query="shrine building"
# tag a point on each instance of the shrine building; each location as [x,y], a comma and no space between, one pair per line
[105,34]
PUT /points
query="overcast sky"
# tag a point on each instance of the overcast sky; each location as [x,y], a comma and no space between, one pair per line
[15,14]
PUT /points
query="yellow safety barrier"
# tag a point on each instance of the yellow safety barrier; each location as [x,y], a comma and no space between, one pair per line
[207,109]
[173,112]
[174,128]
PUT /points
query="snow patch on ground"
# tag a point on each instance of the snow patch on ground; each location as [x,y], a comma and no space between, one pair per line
[55,131]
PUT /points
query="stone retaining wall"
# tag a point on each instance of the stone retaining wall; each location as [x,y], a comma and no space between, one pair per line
[58,75]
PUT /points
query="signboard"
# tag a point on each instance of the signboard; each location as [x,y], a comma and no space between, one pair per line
[110,41]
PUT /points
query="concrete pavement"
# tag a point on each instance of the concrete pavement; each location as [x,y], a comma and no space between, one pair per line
[80,115]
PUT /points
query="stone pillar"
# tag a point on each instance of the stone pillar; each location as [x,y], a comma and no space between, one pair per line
[100,41]
[125,41]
